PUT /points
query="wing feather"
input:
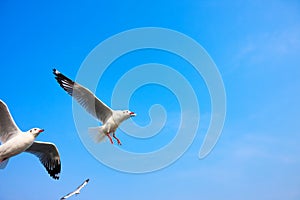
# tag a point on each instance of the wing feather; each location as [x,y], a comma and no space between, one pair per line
[77,191]
[68,195]
[84,97]
[8,127]
[48,155]
[83,184]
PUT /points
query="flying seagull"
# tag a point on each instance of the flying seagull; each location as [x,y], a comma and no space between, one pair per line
[111,119]
[77,191]
[14,141]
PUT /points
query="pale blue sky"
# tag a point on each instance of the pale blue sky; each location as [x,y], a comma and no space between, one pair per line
[255,45]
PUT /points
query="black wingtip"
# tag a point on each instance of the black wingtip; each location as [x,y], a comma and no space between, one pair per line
[55,176]
[62,80]
[55,171]
[87,180]
[59,76]
[55,71]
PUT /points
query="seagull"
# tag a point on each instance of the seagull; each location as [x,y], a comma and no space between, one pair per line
[111,119]
[14,141]
[77,191]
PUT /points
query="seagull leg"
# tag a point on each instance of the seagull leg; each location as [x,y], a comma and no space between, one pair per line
[119,142]
[110,139]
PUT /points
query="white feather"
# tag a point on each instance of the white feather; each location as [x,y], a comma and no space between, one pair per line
[97,134]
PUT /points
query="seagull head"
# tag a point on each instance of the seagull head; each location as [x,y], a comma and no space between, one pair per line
[35,131]
[129,113]
[125,114]
[120,115]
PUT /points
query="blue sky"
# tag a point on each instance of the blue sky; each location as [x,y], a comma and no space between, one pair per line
[255,45]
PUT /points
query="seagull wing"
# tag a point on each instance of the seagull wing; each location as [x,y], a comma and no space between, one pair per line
[68,195]
[84,97]
[82,185]
[48,155]
[77,191]
[8,127]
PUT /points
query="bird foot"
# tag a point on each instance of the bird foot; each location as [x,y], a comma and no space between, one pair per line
[119,142]
[110,139]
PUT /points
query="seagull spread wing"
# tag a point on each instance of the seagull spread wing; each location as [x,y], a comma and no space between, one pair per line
[8,127]
[68,195]
[48,155]
[82,185]
[84,97]
[77,191]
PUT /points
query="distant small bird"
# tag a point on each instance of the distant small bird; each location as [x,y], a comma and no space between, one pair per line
[77,191]
[111,119]
[14,141]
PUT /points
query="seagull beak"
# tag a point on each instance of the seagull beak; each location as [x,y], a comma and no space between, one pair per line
[42,130]
[132,114]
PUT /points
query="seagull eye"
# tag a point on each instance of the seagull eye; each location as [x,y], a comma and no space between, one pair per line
[30,131]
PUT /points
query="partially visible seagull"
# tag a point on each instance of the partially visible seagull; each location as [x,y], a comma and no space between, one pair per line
[77,191]
[14,141]
[111,119]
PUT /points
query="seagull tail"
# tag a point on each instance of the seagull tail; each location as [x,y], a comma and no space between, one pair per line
[3,164]
[97,134]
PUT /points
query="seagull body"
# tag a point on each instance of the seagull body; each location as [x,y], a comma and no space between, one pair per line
[77,191]
[111,119]
[17,144]
[14,141]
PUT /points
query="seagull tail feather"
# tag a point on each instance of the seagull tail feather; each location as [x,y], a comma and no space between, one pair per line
[97,134]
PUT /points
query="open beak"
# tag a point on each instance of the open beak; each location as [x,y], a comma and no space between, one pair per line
[42,130]
[132,114]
